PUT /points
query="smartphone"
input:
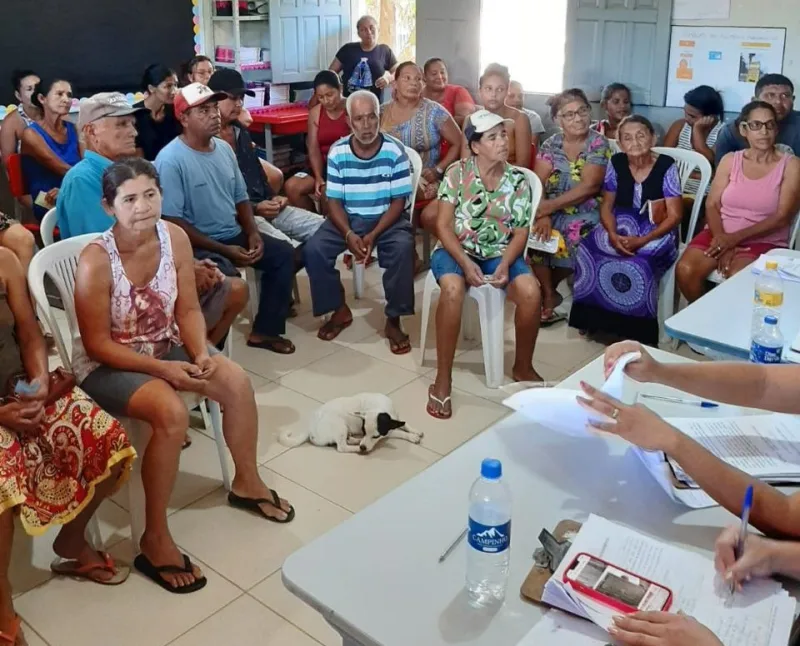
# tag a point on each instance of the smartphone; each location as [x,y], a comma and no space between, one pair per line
[612,586]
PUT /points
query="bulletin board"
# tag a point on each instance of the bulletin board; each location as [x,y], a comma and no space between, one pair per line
[98,45]
[729,59]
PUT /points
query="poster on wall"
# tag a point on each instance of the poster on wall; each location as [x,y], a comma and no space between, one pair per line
[730,59]
[701,9]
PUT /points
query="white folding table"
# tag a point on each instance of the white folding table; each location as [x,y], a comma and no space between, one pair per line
[376,580]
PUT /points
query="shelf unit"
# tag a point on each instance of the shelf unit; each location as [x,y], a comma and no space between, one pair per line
[235,31]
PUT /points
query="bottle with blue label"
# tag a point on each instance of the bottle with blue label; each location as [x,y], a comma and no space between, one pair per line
[768,295]
[489,536]
[767,343]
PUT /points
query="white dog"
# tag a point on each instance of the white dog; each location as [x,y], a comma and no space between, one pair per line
[353,425]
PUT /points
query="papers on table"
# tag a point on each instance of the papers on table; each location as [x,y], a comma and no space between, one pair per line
[761,615]
[558,409]
[559,629]
[788,267]
[765,446]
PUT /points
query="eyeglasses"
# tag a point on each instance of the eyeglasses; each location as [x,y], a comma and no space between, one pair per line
[580,112]
[756,126]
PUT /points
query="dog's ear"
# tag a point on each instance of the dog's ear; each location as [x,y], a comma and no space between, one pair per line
[386,423]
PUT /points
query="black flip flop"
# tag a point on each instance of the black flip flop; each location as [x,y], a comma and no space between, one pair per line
[253,505]
[143,564]
[277,345]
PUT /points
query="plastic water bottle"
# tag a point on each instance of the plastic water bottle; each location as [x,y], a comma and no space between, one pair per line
[489,536]
[767,344]
[768,296]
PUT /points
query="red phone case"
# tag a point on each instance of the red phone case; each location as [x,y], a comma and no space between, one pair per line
[609,601]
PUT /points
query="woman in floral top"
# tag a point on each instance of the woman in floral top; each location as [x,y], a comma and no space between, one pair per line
[483,225]
[571,165]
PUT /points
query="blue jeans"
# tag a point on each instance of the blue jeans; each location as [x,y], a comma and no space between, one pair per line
[443,263]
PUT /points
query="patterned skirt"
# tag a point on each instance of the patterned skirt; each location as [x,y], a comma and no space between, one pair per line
[6,221]
[51,476]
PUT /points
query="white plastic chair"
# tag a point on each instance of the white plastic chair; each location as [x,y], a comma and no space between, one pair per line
[416,173]
[491,309]
[687,162]
[47,227]
[60,262]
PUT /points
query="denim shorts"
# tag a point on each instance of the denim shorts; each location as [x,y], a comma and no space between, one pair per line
[443,263]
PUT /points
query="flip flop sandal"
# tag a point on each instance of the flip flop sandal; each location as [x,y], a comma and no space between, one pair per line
[75,570]
[554,318]
[254,505]
[399,347]
[152,572]
[330,330]
[278,345]
[11,637]
[441,413]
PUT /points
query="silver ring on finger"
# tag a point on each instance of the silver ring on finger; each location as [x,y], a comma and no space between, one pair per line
[615,414]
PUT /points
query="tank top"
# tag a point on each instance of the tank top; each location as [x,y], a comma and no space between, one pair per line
[25,118]
[746,202]
[330,131]
[685,143]
[40,179]
[142,318]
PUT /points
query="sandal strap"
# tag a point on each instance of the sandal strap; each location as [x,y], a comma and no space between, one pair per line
[441,402]
[11,638]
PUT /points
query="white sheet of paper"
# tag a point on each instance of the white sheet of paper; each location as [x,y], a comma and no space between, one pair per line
[558,409]
[701,9]
[560,629]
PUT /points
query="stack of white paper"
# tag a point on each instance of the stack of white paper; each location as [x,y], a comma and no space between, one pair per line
[788,267]
[278,94]
[760,615]
[764,446]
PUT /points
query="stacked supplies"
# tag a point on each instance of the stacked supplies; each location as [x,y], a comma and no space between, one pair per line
[278,94]
[788,267]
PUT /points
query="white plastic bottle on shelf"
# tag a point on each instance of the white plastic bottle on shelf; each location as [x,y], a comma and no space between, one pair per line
[767,343]
[489,536]
[768,296]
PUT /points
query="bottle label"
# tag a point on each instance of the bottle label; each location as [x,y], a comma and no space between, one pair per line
[489,538]
[768,299]
[765,354]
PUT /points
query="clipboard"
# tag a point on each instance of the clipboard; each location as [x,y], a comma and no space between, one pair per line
[533,587]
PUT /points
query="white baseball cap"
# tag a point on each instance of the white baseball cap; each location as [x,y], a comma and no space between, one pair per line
[193,95]
[483,121]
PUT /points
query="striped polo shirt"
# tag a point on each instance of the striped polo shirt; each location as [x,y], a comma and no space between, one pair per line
[366,187]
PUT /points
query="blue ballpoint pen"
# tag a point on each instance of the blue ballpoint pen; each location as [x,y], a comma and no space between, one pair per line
[678,400]
[739,548]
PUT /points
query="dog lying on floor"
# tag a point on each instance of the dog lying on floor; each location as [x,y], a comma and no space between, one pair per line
[353,425]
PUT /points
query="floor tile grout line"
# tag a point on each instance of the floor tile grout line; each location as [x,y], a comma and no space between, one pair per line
[277,612]
[188,630]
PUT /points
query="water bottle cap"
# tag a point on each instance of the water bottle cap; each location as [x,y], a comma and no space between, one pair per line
[770,320]
[491,469]
[772,265]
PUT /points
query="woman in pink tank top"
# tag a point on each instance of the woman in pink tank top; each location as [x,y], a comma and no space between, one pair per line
[142,342]
[753,201]
[327,123]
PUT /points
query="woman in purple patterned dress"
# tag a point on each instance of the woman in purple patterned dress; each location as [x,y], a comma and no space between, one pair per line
[620,264]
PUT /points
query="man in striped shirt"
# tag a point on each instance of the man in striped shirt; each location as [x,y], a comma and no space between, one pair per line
[368,187]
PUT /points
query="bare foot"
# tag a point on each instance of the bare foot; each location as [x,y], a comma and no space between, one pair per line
[525,373]
[161,551]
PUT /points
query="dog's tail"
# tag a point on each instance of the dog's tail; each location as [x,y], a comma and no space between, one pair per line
[294,438]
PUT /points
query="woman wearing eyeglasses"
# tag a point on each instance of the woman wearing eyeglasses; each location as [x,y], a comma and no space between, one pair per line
[571,165]
[754,198]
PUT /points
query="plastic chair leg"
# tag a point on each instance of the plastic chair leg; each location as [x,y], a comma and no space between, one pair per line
[222,448]
[295,291]
[139,433]
[253,279]
[666,302]
[430,287]
[491,305]
[93,534]
[358,279]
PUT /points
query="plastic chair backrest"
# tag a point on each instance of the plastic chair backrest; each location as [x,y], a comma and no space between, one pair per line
[794,232]
[536,194]
[416,173]
[16,180]
[688,161]
[614,145]
[47,227]
[60,262]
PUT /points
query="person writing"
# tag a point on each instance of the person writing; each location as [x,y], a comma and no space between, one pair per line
[365,65]
[771,388]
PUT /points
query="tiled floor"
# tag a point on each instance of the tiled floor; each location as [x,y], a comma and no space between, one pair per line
[245,602]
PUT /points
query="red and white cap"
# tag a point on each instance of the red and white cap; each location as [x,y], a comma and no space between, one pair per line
[193,95]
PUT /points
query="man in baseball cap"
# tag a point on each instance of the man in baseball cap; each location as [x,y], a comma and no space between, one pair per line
[106,122]
[194,95]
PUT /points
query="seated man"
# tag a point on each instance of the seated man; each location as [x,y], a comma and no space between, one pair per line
[205,194]
[272,211]
[369,181]
[514,100]
[106,123]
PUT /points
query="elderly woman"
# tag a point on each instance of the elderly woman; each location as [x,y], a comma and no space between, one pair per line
[49,147]
[616,102]
[142,341]
[454,98]
[484,220]
[571,165]
[156,126]
[60,455]
[365,65]
[620,264]
[327,123]
[754,198]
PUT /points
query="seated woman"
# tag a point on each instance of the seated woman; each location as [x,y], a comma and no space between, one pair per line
[620,264]
[24,82]
[327,123]
[753,200]
[50,147]
[156,126]
[571,165]
[617,103]
[60,455]
[142,341]
[454,98]
[421,124]
[484,220]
